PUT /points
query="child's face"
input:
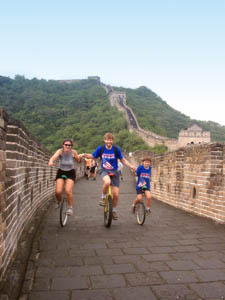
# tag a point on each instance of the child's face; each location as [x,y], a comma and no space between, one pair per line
[146,164]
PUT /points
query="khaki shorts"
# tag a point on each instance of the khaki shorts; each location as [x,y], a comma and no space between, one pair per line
[115,179]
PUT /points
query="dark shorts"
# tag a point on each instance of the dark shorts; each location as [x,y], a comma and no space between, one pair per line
[92,170]
[139,190]
[71,174]
[115,180]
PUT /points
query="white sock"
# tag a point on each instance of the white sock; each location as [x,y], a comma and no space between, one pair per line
[114,209]
[103,196]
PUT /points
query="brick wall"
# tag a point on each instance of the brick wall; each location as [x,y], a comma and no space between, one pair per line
[191,178]
[26,183]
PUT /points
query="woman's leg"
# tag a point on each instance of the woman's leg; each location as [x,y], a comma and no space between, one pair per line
[59,188]
[69,191]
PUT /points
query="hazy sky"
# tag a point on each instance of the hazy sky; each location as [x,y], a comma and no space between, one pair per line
[174,47]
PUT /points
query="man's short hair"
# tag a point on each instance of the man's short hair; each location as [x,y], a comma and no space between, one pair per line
[108,136]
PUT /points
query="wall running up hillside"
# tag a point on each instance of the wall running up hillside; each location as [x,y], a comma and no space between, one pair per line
[118,99]
[191,179]
[26,183]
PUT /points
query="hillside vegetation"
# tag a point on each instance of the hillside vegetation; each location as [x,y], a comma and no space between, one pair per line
[162,118]
[53,110]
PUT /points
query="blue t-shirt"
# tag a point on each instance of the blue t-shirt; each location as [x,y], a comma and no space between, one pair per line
[109,159]
[143,177]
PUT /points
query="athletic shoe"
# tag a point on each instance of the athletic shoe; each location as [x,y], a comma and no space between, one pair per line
[148,212]
[114,215]
[69,211]
[102,202]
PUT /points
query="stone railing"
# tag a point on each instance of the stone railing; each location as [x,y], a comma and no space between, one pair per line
[190,178]
[26,183]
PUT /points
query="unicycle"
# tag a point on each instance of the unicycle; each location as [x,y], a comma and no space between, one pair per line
[108,206]
[140,212]
[140,209]
[63,217]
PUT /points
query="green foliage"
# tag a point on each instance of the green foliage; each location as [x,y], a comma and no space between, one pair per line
[156,115]
[53,111]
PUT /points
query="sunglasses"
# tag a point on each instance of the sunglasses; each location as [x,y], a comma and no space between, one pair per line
[68,145]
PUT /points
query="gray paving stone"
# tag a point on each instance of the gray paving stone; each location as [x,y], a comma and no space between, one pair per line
[135,250]
[212,263]
[209,290]
[41,284]
[119,269]
[51,295]
[179,276]
[157,257]
[99,294]
[70,283]
[107,281]
[174,291]
[109,252]
[162,250]
[68,261]
[149,278]
[123,259]
[45,272]
[211,274]
[97,260]
[142,293]
[86,270]
[182,265]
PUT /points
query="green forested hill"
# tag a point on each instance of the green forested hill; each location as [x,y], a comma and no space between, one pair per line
[53,110]
[156,115]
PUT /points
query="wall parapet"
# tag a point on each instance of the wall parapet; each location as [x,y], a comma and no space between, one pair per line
[190,178]
[26,183]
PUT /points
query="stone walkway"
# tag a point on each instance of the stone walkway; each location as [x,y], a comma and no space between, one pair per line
[174,255]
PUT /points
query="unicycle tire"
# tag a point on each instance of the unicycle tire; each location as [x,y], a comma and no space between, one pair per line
[140,212]
[63,217]
[108,211]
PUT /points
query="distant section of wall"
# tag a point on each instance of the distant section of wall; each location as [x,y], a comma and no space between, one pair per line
[190,178]
[192,135]
[26,183]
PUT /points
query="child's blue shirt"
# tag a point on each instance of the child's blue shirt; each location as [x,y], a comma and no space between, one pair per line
[143,177]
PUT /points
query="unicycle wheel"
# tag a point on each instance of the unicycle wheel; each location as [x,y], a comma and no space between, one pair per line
[140,213]
[108,211]
[63,217]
